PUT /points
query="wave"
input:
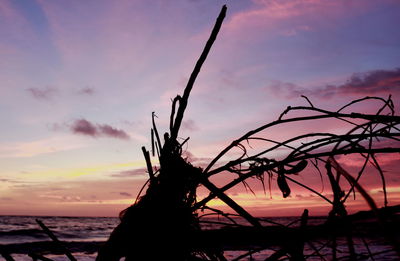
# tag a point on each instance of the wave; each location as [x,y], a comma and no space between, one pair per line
[49,246]
[24,232]
[32,235]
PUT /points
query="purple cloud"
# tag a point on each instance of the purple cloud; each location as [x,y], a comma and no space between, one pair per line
[373,82]
[42,93]
[86,91]
[189,125]
[85,127]
[125,194]
[110,131]
[286,90]
[368,83]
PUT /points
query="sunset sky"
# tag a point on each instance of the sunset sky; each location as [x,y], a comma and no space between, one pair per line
[80,79]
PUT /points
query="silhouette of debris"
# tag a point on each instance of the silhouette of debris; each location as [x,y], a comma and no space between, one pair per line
[164,223]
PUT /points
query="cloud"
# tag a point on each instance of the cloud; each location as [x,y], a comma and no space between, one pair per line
[130,173]
[86,91]
[189,125]
[274,15]
[296,30]
[68,198]
[373,82]
[286,90]
[57,126]
[109,131]
[45,93]
[38,147]
[376,82]
[125,194]
[85,127]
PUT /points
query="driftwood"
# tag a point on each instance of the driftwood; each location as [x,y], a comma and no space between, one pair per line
[6,253]
[36,257]
[160,223]
[237,237]
[56,246]
[163,224]
[60,245]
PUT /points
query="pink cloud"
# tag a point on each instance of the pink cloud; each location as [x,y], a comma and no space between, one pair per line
[7,10]
[125,194]
[189,125]
[141,172]
[373,82]
[267,14]
[86,197]
[8,50]
[85,127]
[45,93]
[385,160]
[86,91]
[122,38]
[11,18]
[376,82]
[281,9]
[110,131]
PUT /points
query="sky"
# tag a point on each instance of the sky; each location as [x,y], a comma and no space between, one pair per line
[80,79]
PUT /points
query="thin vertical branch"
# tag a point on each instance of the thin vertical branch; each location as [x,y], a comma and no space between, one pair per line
[156,131]
[172,116]
[146,155]
[184,100]
[152,143]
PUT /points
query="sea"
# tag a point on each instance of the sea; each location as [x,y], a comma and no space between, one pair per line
[83,236]
[86,230]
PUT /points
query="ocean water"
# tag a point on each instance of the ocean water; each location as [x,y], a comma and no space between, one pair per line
[83,230]
[21,229]
[88,232]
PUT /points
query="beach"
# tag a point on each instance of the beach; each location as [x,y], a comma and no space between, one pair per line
[84,235]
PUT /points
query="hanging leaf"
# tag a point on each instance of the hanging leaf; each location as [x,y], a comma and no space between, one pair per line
[282,184]
[297,168]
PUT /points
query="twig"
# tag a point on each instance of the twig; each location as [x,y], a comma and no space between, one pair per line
[152,143]
[219,212]
[370,202]
[39,257]
[248,253]
[159,146]
[55,239]
[308,100]
[367,247]
[172,116]
[327,114]
[273,165]
[148,163]
[227,200]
